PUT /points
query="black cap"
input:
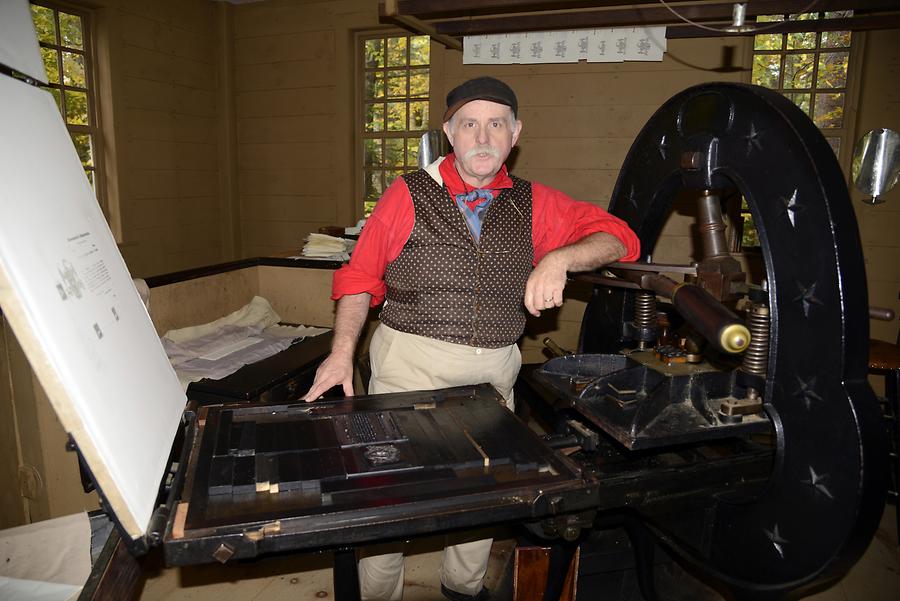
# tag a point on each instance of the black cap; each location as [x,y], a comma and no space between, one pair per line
[480,88]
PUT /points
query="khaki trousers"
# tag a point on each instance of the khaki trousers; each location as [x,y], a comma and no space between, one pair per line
[402,362]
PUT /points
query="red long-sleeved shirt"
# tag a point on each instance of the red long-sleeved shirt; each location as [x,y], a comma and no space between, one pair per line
[557,220]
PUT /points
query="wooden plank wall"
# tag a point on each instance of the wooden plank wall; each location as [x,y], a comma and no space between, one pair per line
[161,70]
[293,66]
[879,225]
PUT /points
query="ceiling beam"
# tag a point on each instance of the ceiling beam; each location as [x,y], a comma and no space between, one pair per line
[430,9]
[864,23]
[655,15]
[389,12]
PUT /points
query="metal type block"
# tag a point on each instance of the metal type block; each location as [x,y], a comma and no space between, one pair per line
[223,432]
[465,455]
[244,477]
[430,445]
[266,472]
[284,437]
[266,441]
[331,464]
[341,432]
[304,435]
[234,439]
[289,471]
[220,475]
[323,434]
[247,445]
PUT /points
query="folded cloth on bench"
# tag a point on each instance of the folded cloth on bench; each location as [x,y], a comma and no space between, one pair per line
[221,347]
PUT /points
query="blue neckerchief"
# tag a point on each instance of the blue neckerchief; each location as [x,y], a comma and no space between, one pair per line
[475,215]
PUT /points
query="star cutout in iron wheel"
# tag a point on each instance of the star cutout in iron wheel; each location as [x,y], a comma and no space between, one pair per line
[806,393]
[807,297]
[632,198]
[753,139]
[777,541]
[663,147]
[818,482]
[792,208]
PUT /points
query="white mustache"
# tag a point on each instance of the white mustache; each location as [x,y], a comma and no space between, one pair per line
[486,149]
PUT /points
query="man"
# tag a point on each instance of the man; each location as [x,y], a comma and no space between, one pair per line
[459,251]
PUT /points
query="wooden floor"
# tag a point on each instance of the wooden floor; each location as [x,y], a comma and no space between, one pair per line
[876,577]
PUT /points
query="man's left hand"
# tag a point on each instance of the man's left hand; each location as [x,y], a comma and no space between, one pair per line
[545,285]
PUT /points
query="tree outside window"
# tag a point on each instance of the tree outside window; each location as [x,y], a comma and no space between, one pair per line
[811,69]
[395,96]
[63,35]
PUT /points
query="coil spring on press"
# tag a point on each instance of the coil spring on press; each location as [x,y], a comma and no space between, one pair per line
[644,309]
[757,354]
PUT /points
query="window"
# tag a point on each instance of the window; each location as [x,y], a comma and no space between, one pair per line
[64,37]
[811,68]
[395,96]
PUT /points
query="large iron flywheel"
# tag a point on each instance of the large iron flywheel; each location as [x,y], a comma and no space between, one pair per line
[827,489]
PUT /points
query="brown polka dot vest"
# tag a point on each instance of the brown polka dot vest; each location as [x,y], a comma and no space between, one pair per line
[444,285]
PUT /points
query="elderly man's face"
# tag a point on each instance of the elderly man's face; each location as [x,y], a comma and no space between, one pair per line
[482,133]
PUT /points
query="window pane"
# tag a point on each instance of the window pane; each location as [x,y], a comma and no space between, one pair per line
[836,39]
[769,18]
[396,116]
[798,71]
[374,53]
[73,70]
[419,50]
[396,52]
[372,152]
[90,175]
[418,116]
[803,17]
[412,151]
[801,40]
[396,84]
[369,206]
[393,152]
[375,85]
[832,70]
[374,117]
[70,31]
[49,56]
[829,110]
[83,146]
[801,100]
[839,14]
[765,70]
[44,23]
[768,41]
[418,82]
[373,187]
[835,144]
[76,108]
[749,237]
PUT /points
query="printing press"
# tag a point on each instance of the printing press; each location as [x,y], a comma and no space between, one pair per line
[746,403]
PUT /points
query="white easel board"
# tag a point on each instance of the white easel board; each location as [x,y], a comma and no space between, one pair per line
[71,302]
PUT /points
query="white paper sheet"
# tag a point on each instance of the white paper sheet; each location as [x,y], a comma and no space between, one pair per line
[45,561]
[541,47]
[18,42]
[73,306]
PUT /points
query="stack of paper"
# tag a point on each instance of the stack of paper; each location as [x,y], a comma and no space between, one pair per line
[322,246]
